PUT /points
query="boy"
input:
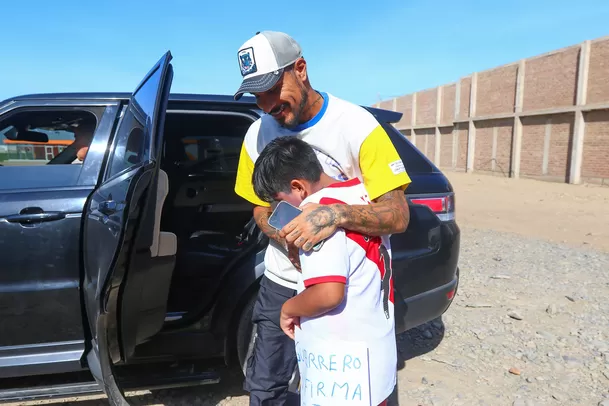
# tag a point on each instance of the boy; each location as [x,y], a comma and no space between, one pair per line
[345,290]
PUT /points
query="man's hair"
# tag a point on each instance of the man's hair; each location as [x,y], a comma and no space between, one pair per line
[281,161]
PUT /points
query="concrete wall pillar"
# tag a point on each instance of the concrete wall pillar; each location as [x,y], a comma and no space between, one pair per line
[517,129]
[413,119]
[438,122]
[471,139]
[580,124]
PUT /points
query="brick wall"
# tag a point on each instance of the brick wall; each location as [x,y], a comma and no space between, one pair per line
[446,148]
[531,155]
[426,141]
[598,85]
[493,146]
[426,107]
[550,105]
[461,145]
[496,91]
[448,104]
[596,146]
[550,81]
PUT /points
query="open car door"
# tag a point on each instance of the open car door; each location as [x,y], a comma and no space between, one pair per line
[128,262]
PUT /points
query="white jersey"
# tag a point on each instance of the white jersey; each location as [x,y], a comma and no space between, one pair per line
[349,142]
[367,313]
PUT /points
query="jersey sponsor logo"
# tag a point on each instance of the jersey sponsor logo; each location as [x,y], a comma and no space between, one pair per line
[397,167]
[247,62]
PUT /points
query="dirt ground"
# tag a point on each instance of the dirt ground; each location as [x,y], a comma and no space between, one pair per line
[530,323]
[574,214]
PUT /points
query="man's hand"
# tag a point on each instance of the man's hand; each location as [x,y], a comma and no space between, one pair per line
[288,324]
[315,223]
[389,214]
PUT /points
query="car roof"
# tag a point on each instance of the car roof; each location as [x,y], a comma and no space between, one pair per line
[246,101]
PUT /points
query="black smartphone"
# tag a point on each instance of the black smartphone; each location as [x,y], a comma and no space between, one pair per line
[283,214]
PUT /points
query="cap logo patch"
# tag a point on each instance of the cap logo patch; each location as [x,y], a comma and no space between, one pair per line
[247,62]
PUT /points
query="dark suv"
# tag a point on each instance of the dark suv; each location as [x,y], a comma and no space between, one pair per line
[142,254]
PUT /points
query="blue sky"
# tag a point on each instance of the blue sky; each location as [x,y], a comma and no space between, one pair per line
[387,47]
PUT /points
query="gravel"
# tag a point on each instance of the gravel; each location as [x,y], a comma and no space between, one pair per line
[529,326]
[537,335]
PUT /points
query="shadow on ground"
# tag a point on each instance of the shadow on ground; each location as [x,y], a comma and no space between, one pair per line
[410,344]
[419,341]
[414,343]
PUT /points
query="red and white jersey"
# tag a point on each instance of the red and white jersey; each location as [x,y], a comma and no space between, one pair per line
[364,264]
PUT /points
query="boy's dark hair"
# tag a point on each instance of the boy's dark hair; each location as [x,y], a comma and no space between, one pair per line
[281,161]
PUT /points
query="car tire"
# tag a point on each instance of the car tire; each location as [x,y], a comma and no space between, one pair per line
[246,332]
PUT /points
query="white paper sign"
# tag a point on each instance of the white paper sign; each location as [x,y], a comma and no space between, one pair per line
[332,373]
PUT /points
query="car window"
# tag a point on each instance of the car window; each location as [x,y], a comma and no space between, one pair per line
[209,153]
[132,144]
[204,144]
[45,147]
[46,137]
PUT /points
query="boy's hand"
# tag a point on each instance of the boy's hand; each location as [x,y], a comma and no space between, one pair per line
[294,256]
[288,324]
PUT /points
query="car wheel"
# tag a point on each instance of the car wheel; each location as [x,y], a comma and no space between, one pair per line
[246,333]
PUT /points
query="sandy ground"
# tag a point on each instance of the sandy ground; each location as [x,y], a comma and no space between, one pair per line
[574,214]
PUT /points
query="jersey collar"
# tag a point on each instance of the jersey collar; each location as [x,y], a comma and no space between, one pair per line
[317,116]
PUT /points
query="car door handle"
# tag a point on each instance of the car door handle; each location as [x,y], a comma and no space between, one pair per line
[108,207]
[36,217]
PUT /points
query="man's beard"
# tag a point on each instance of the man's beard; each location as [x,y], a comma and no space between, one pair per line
[296,113]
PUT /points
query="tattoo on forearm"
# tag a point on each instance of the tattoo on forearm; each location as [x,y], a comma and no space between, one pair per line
[388,215]
[262,219]
[321,218]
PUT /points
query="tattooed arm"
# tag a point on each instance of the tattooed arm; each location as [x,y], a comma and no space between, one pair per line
[389,214]
[261,216]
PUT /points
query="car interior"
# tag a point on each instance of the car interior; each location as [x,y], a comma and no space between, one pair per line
[46,137]
[198,205]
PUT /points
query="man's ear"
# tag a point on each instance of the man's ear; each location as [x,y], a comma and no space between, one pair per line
[300,69]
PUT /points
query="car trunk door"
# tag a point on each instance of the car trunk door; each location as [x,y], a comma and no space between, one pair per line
[118,234]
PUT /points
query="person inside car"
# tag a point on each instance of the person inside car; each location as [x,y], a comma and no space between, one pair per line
[349,143]
[76,152]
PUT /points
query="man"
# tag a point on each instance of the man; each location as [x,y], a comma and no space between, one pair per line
[76,152]
[324,308]
[349,143]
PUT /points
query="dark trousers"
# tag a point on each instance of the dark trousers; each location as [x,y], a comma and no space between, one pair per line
[273,360]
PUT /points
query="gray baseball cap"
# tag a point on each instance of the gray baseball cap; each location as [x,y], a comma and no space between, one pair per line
[262,60]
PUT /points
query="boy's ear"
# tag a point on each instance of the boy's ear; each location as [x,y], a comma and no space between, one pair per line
[297,186]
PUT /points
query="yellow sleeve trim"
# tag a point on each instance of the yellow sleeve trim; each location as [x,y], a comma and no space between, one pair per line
[243,184]
[381,165]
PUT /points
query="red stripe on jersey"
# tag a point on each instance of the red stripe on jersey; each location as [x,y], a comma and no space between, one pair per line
[329,200]
[371,245]
[325,279]
[348,183]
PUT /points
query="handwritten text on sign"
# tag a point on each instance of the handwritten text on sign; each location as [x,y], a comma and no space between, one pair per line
[332,372]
